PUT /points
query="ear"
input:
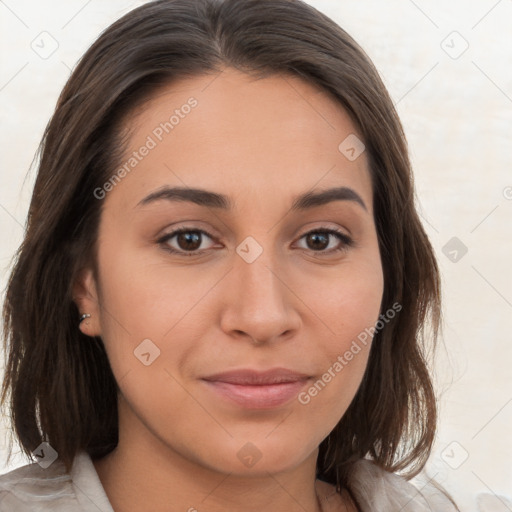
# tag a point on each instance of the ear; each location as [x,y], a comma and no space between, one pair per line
[85,296]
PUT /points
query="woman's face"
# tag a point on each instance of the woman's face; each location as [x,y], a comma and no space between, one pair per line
[258,280]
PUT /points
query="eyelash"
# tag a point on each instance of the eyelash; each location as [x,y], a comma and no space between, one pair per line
[347,242]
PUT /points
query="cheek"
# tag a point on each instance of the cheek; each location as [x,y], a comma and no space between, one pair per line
[146,298]
[348,301]
[324,402]
[347,308]
[146,306]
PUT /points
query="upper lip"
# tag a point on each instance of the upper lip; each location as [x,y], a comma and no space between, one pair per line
[251,377]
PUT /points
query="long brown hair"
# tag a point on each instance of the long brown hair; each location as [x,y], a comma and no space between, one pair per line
[59,382]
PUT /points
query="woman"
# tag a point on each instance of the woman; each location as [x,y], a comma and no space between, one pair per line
[224,205]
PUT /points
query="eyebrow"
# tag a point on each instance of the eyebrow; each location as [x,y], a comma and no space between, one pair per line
[215,200]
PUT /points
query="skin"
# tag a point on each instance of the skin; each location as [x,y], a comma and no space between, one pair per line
[262,143]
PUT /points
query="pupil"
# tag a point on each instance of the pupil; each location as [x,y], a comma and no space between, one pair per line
[191,240]
[322,237]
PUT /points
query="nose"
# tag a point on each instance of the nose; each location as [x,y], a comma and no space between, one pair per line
[259,303]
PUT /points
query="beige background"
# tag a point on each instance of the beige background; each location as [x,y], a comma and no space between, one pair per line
[456,107]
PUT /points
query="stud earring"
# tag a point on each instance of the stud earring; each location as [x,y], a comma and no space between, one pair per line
[84,316]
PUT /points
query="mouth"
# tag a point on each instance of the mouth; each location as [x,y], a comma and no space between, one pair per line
[257,389]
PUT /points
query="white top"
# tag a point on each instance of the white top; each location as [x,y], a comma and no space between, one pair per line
[32,488]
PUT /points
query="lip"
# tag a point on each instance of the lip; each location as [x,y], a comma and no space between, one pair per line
[250,377]
[255,389]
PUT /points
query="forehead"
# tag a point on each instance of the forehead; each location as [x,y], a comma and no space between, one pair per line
[229,131]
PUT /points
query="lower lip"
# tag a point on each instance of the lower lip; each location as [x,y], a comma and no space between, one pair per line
[258,397]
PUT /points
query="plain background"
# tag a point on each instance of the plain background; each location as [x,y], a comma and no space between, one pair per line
[447,67]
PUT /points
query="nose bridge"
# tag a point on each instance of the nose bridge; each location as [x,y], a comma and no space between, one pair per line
[255,266]
[259,303]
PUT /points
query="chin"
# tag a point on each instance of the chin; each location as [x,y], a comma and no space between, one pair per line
[259,457]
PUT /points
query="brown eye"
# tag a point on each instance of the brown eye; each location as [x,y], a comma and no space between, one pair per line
[187,241]
[320,239]
[317,241]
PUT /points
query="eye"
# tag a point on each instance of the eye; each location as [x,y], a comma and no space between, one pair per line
[188,240]
[320,239]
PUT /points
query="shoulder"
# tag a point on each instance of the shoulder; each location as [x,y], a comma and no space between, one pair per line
[377,489]
[33,487]
[50,488]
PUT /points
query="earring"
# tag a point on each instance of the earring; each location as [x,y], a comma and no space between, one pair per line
[84,316]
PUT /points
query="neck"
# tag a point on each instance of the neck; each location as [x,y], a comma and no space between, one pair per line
[134,482]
